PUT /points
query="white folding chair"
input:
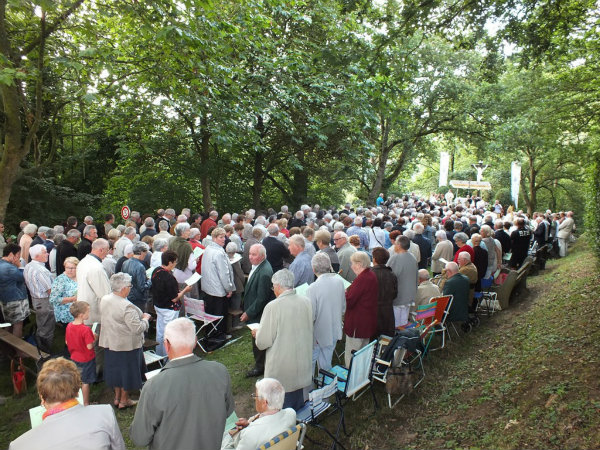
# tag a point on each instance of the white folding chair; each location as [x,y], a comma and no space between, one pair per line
[194,309]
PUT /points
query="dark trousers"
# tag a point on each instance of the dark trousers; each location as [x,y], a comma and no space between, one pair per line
[294,399]
[217,306]
[259,357]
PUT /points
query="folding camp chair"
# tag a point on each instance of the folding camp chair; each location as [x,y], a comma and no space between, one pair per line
[384,371]
[443,305]
[318,404]
[357,377]
[288,440]
[194,309]
[486,299]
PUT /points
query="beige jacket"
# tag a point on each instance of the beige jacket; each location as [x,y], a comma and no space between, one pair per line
[445,250]
[122,324]
[92,285]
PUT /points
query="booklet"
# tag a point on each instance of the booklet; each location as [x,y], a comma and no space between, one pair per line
[197,252]
[253,326]
[193,279]
[346,282]
[94,326]
[443,261]
[235,258]
[302,290]
[149,272]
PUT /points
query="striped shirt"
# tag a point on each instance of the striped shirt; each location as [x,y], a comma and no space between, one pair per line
[38,279]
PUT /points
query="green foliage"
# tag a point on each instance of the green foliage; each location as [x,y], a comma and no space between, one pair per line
[592,217]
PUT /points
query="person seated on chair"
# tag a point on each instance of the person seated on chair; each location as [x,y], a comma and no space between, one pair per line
[468,269]
[457,285]
[269,421]
[426,290]
[67,423]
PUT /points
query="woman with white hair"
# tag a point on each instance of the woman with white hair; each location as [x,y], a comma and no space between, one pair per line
[269,421]
[443,250]
[122,336]
[26,240]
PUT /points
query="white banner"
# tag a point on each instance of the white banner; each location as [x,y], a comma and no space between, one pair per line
[444,162]
[515,182]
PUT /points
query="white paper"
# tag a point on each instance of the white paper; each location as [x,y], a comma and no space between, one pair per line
[36,413]
[443,261]
[193,279]
[94,326]
[236,257]
[197,252]
[5,325]
[149,272]
[152,373]
[346,282]
[253,326]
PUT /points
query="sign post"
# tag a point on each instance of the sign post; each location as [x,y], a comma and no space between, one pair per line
[125,212]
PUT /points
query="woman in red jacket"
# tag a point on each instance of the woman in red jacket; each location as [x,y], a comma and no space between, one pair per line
[360,322]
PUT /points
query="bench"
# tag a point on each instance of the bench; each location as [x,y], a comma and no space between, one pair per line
[516,280]
[21,347]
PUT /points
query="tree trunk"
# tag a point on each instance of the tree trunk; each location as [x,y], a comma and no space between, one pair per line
[384,152]
[205,159]
[257,182]
[532,186]
[300,183]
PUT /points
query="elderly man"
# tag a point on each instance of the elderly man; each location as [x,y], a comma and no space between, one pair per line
[92,281]
[217,280]
[127,238]
[565,229]
[328,299]
[286,333]
[457,285]
[186,261]
[256,236]
[322,239]
[413,249]
[443,250]
[208,223]
[13,295]
[301,267]
[66,249]
[423,243]
[468,269]
[140,284]
[426,289]
[257,293]
[404,266]
[149,228]
[39,282]
[186,405]
[344,252]
[356,230]
[277,252]
[269,421]
[90,234]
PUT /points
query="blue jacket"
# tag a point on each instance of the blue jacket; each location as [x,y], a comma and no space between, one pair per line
[12,282]
[139,282]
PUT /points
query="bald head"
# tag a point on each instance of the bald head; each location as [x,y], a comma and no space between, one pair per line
[451,269]
[423,275]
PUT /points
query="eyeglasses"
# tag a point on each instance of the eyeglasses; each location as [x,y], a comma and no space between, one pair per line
[255,396]
[338,239]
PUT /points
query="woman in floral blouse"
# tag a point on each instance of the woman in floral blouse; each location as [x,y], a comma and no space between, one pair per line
[64,291]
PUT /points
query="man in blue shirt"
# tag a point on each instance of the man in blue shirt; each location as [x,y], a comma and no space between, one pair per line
[139,282]
[13,296]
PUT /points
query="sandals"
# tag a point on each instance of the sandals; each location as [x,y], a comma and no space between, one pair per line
[127,405]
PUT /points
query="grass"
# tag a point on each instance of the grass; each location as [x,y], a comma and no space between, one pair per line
[526,378]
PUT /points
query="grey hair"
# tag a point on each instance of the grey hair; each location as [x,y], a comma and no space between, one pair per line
[163,225]
[170,211]
[128,249]
[261,249]
[231,248]
[341,234]
[452,267]
[59,229]
[128,231]
[181,334]
[181,228]
[487,230]
[181,218]
[273,229]
[465,255]
[321,264]
[134,214]
[272,391]
[36,250]
[119,280]
[159,244]
[50,233]
[194,232]
[149,222]
[409,234]
[283,278]
[30,228]
[88,219]
[139,248]
[423,274]
[418,228]
[441,234]
[73,233]
[358,221]
[42,230]
[100,244]
[299,215]
[88,229]
[298,240]
[338,226]
[462,237]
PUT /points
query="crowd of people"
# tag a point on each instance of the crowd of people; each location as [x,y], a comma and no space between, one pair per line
[302,281]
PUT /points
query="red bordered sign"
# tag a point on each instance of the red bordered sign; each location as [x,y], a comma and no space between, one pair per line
[125,212]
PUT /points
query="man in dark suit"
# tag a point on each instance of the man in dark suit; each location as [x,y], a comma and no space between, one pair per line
[65,249]
[276,250]
[457,285]
[257,293]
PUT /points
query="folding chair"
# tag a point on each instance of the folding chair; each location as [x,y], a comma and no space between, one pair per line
[288,440]
[318,404]
[194,309]
[357,377]
[443,305]
[151,357]
[486,299]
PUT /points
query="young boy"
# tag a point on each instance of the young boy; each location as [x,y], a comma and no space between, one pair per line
[80,342]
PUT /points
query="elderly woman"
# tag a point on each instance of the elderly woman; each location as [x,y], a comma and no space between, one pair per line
[186,261]
[360,322]
[159,246]
[122,336]
[461,241]
[166,296]
[217,279]
[269,421]
[66,423]
[388,290]
[443,250]
[64,291]
[494,250]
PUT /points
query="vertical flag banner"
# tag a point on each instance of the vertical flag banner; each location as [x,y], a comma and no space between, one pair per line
[444,163]
[515,182]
